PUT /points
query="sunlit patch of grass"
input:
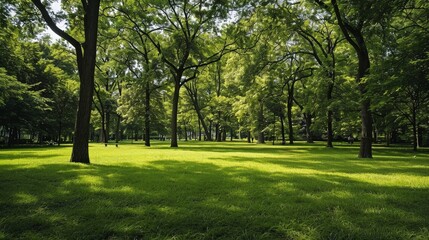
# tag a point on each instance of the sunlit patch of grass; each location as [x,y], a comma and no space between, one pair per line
[206,190]
[25,198]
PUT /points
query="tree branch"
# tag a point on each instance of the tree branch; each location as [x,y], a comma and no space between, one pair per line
[344,26]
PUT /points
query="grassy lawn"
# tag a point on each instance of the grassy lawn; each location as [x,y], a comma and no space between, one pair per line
[214,191]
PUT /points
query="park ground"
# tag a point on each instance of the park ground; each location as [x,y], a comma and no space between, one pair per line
[215,191]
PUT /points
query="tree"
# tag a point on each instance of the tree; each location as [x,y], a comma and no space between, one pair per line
[184,33]
[323,43]
[290,73]
[405,64]
[85,58]
[355,19]
[194,95]
[19,104]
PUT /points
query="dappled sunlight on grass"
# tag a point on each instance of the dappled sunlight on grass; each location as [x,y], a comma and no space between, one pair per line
[214,191]
[25,198]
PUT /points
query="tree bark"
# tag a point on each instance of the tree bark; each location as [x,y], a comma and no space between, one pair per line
[118,129]
[217,132]
[136,135]
[209,136]
[147,114]
[80,144]
[107,128]
[289,117]
[174,114]
[103,137]
[12,136]
[420,137]
[308,122]
[330,133]
[60,128]
[199,130]
[414,123]
[261,137]
[283,130]
[365,150]
[85,57]
[185,132]
[261,121]
[193,95]
[354,37]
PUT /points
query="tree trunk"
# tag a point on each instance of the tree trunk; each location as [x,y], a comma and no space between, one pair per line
[261,121]
[199,130]
[60,128]
[388,137]
[203,123]
[80,141]
[261,137]
[332,76]
[103,135]
[365,150]
[308,122]
[414,123]
[147,115]
[420,137]
[174,114]
[209,136]
[107,128]
[194,99]
[354,36]
[118,129]
[282,123]
[136,135]
[330,131]
[11,138]
[217,132]
[375,137]
[86,65]
[394,136]
[91,135]
[289,119]
[248,137]
[274,130]
[232,133]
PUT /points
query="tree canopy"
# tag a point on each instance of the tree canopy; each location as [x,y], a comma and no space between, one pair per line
[310,70]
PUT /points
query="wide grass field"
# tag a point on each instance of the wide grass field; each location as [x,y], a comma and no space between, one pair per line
[214,191]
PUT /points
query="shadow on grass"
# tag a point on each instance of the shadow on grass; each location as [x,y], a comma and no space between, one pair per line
[171,199]
[342,158]
[327,164]
[27,155]
[299,147]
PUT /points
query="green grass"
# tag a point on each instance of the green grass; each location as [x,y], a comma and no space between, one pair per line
[214,191]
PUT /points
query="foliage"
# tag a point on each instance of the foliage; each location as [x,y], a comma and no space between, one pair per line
[234,60]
